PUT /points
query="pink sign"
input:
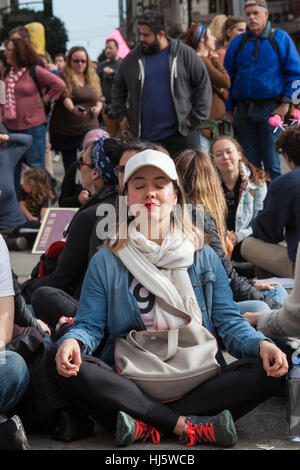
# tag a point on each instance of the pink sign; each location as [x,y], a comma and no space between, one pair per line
[123,48]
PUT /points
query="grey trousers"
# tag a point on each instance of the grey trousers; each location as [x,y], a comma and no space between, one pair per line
[271,257]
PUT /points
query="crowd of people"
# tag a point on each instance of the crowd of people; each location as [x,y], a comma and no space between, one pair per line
[171,161]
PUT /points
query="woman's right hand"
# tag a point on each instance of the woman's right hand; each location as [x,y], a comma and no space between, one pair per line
[4,138]
[83,196]
[68,358]
[78,113]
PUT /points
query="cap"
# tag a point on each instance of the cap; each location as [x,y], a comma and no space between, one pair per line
[259,3]
[151,158]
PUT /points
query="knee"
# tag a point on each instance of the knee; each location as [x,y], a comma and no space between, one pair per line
[41,296]
[247,247]
[18,372]
[15,379]
[252,306]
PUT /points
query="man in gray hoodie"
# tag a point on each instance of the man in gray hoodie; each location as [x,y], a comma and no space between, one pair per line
[162,91]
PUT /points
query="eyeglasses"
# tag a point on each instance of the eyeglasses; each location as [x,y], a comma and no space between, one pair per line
[78,61]
[119,169]
[81,163]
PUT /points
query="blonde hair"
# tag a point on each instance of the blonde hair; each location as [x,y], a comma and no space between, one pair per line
[70,77]
[202,185]
[216,28]
[38,179]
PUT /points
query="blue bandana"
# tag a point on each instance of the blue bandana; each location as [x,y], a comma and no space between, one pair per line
[103,164]
[199,33]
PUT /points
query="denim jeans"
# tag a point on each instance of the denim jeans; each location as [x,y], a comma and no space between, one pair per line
[14,379]
[35,155]
[205,144]
[278,293]
[257,136]
[252,306]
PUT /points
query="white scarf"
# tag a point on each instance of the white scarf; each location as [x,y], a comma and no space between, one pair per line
[162,269]
[10,100]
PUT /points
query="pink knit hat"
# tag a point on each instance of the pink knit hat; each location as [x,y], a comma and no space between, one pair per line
[93,136]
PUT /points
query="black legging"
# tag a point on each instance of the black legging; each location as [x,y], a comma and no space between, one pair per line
[101,393]
[49,304]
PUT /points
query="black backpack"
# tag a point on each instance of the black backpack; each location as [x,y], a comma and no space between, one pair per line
[246,38]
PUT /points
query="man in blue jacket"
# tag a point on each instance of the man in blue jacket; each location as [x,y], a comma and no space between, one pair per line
[264,66]
[279,221]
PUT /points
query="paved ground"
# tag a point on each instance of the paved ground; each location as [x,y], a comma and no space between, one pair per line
[262,429]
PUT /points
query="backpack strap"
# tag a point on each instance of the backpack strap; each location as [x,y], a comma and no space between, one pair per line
[242,43]
[34,78]
[270,38]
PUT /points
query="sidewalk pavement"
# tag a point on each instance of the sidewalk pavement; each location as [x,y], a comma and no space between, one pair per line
[264,428]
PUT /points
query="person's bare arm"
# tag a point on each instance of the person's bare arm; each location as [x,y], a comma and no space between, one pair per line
[6,319]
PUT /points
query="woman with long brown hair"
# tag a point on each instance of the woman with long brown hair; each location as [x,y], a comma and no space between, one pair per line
[77,110]
[201,39]
[24,110]
[201,184]
[244,188]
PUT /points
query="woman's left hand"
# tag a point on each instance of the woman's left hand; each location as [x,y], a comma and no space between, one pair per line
[274,360]
[266,285]
[233,237]
[96,110]
[45,327]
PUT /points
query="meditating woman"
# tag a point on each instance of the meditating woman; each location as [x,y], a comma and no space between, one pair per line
[154,264]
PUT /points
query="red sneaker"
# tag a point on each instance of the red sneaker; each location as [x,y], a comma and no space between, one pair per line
[130,430]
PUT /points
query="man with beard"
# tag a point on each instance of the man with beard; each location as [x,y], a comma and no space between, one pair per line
[162,91]
[264,67]
[106,71]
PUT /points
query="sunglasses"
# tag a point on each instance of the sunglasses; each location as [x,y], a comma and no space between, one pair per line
[119,169]
[79,61]
[81,163]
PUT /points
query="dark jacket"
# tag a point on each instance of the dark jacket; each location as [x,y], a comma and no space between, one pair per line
[280,218]
[73,260]
[190,87]
[242,288]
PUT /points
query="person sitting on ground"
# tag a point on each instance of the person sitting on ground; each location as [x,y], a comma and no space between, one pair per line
[12,219]
[72,193]
[73,259]
[14,376]
[284,322]
[244,188]
[57,294]
[159,259]
[276,229]
[200,38]
[35,193]
[202,185]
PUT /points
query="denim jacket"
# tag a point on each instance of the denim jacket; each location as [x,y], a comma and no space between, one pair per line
[107,306]
[251,202]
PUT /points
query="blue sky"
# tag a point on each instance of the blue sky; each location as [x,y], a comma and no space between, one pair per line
[88,22]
